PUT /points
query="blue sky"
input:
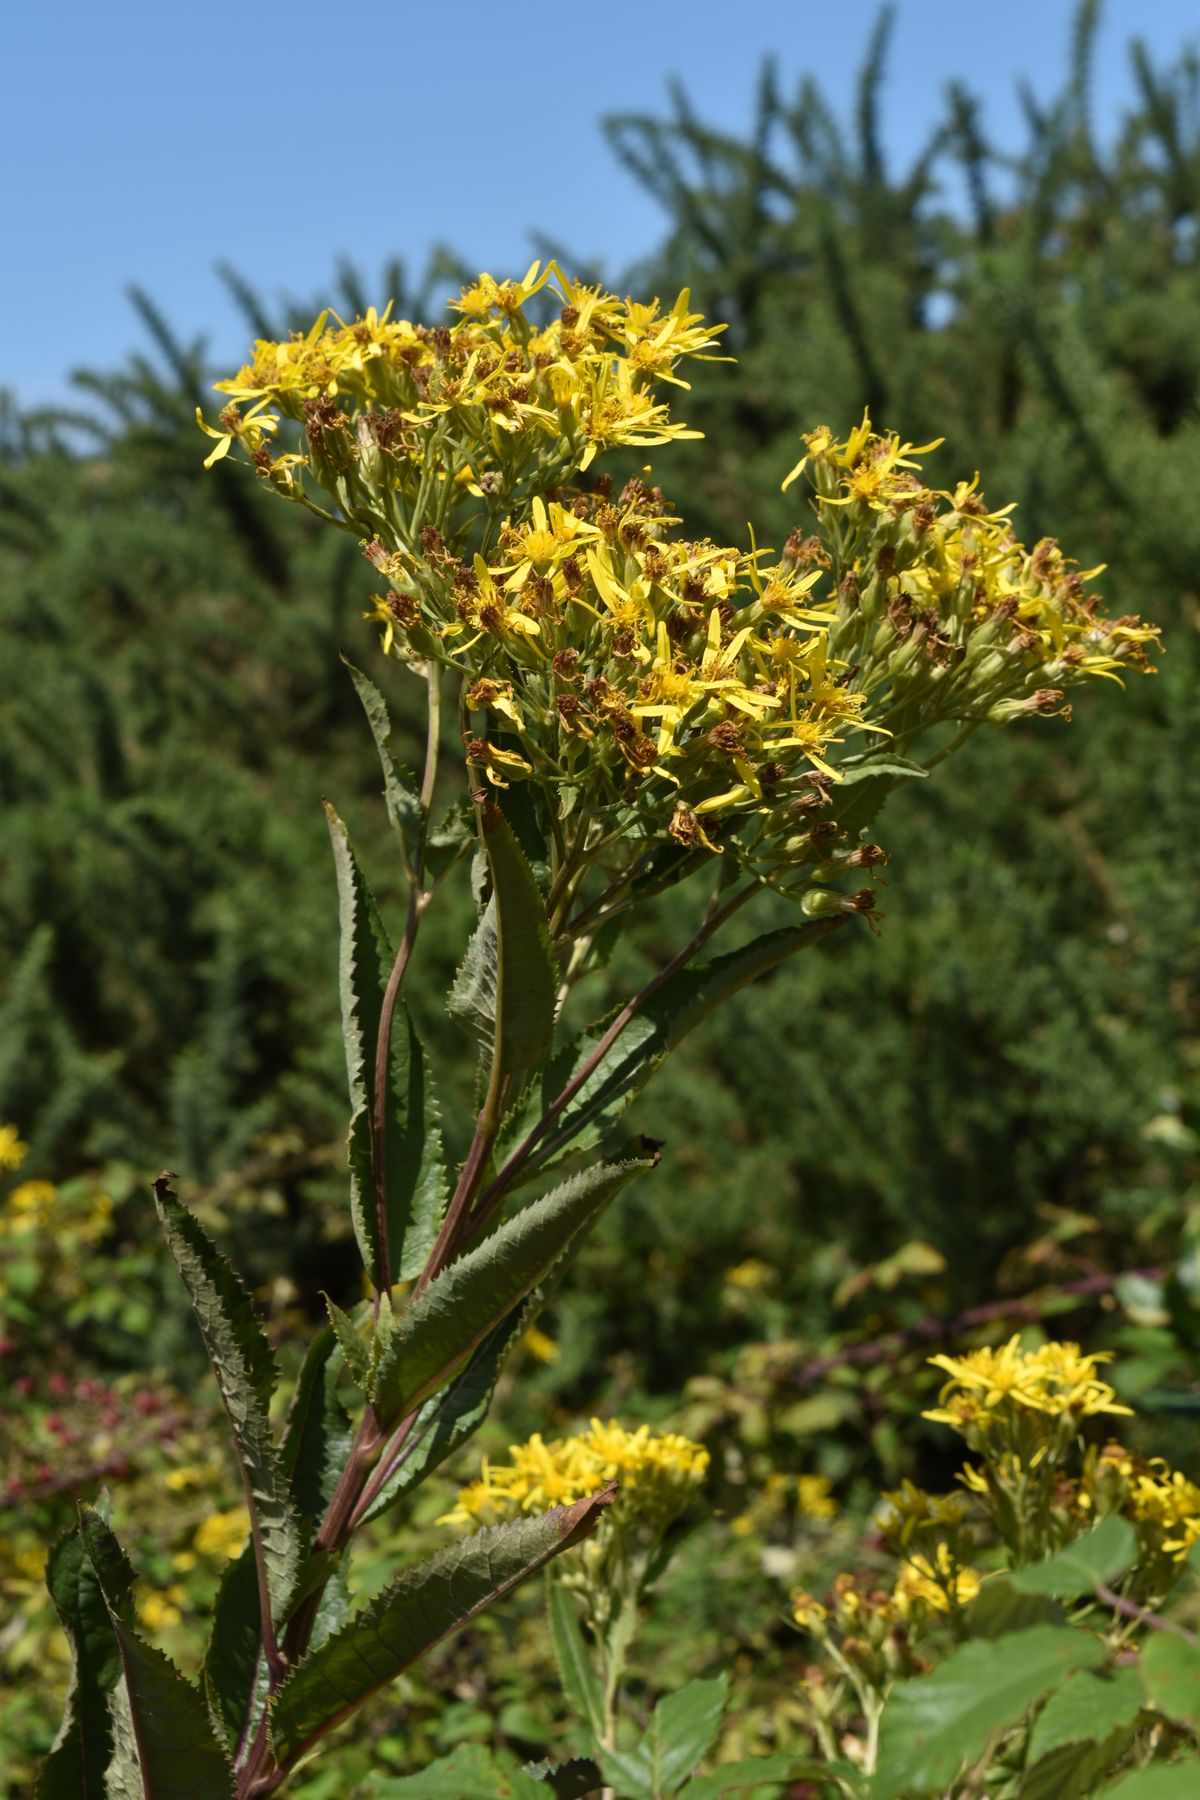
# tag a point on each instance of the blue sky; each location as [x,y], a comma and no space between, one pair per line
[146,142]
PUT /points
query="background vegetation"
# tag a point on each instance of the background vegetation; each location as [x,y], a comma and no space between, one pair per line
[997,1099]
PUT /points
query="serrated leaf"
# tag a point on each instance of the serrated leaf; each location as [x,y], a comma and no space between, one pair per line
[1169,1670]
[234,1673]
[319,1431]
[679,1006]
[1090,1704]
[467,1301]
[245,1371]
[177,1753]
[75,1767]
[447,1420]
[413,1613]
[1174,1781]
[399,787]
[355,1354]
[575,1779]
[507,988]
[1100,1555]
[581,1683]
[364,966]
[414,1172]
[932,1725]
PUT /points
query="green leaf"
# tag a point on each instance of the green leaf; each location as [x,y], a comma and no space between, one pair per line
[575,1779]
[413,1613]
[319,1430]
[448,1420]
[1074,1771]
[472,1772]
[163,1728]
[414,1173]
[1103,1553]
[245,1371]
[234,1674]
[399,787]
[730,1777]
[998,1608]
[896,768]
[581,1683]
[75,1767]
[507,988]
[1091,1704]
[364,967]
[1169,1667]
[679,1006]
[355,1353]
[467,1301]
[932,1725]
[683,1728]
[1176,1781]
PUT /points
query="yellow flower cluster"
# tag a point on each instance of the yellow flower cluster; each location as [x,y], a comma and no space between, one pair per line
[670,687]
[35,1207]
[222,1534]
[936,587]
[988,1387]
[808,1496]
[491,385]
[13,1148]
[935,1583]
[658,1472]
[1162,1502]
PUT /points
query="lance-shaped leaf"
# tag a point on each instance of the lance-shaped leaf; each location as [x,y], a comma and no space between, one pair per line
[580,1681]
[507,987]
[399,788]
[414,1613]
[75,1767]
[679,1006]
[364,964]
[467,1301]
[448,1420]
[414,1181]
[319,1430]
[245,1371]
[163,1730]
[235,1674]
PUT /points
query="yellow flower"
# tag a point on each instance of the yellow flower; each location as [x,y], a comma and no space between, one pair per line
[753,1273]
[657,1472]
[222,1533]
[13,1149]
[808,1613]
[938,1583]
[814,1495]
[1055,1380]
[542,1348]
[159,1612]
